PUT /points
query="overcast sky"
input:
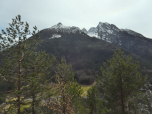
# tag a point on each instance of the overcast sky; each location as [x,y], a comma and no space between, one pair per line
[125,14]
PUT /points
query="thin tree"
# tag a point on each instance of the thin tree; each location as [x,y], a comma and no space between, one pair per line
[14,48]
[68,91]
[37,72]
[64,79]
[93,100]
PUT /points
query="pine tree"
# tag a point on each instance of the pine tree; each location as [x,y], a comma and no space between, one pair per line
[15,47]
[63,76]
[37,69]
[75,91]
[93,100]
[69,91]
[120,82]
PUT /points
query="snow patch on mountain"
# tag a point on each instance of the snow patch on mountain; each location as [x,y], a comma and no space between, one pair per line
[92,32]
[103,29]
[103,37]
[94,35]
[55,36]
[65,29]
[110,31]
[59,25]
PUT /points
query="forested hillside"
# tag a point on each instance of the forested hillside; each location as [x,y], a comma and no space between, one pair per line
[85,53]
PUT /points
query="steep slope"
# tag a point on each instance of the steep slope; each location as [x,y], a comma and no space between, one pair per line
[127,39]
[85,53]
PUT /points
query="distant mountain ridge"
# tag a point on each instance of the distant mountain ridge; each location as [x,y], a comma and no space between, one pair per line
[125,38]
[103,30]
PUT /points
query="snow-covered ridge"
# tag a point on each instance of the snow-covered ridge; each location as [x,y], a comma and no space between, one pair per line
[106,27]
[59,25]
[102,30]
[92,32]
[65,29]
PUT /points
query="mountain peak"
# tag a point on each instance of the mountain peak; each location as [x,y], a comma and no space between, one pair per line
[105,25]
[59,24]
[84,30]
[100,23]
[65,29]
[102,29]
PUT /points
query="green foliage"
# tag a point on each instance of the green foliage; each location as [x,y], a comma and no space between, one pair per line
[94,103]
[68,90]
[92,99]
[64,75]
[75,91]
[15,48]
[120,82]
[37,70]
[65,72]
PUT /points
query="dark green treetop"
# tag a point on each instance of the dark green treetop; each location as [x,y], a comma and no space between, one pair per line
[120,82]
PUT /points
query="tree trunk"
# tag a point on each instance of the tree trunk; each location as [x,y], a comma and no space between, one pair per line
[19,77]
[122,99]
[33,111]
[63,111]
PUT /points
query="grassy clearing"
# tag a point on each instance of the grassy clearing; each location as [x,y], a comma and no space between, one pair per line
[86,88]
[11,108]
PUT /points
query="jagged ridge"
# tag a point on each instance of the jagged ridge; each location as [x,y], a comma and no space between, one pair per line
[65,29]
